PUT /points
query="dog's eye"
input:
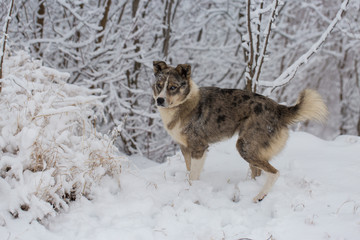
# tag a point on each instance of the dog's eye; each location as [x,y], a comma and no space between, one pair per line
[172,88]
[158,85]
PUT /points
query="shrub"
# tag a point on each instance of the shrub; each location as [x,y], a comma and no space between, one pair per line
[51,153]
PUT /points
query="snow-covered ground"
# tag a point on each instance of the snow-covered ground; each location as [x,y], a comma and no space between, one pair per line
[61,179]
[316,197]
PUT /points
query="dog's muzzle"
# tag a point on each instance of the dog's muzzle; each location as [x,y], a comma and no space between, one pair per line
[160,101]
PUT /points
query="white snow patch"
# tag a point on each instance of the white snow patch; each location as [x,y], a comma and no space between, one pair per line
[316,197]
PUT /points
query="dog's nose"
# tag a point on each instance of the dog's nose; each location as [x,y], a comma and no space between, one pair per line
[160,101]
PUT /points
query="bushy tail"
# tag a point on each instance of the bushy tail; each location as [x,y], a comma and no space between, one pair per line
[309,106]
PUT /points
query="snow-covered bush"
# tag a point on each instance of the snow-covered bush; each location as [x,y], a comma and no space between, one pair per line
[50,151]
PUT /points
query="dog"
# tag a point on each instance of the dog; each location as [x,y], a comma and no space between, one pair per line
[198,116]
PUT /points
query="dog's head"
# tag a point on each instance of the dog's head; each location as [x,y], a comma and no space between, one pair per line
[172,85]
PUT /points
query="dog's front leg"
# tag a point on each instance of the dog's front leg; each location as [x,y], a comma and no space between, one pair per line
[187,156]
[197,165]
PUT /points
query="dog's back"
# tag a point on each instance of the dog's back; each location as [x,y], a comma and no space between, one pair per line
[221,113]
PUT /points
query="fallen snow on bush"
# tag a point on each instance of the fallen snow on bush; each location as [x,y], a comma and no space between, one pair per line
[50,151]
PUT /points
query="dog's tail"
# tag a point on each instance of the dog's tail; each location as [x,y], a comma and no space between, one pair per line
[309,106]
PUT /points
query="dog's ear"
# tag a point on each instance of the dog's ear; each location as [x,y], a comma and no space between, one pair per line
[159,66]
[184,70]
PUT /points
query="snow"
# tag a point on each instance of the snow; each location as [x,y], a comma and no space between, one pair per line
[316,197]
[60,179]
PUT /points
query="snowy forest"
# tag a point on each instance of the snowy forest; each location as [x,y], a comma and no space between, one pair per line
[110,45]
[80,134]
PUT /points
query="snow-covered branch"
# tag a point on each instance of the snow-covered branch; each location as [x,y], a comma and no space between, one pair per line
[256,49]
[250,56]
[290,72]
[4,39]
[260,59]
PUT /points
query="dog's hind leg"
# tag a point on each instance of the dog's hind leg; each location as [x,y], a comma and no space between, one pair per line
[272,176]
[255,172]
[258,156]
[270,181]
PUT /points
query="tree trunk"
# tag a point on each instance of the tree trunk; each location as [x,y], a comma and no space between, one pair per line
[167,22]
[39,26]
[103,22]
[5,39]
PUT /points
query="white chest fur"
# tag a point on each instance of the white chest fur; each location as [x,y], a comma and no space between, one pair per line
[168,115]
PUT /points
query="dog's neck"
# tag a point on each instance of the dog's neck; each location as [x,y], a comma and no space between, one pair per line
[171,116]
[191,100]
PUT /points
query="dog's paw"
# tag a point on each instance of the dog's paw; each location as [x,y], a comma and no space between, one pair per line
[259,197]
[194,176]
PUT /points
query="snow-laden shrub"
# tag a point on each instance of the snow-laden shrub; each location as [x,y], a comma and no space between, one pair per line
[50,152]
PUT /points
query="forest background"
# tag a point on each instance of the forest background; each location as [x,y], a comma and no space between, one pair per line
[254,45]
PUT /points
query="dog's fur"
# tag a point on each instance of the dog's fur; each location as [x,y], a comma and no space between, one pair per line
[196,117]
